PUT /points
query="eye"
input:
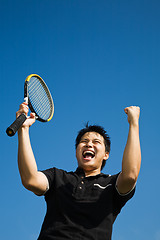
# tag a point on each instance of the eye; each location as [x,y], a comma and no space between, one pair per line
[83,141]
[97,141]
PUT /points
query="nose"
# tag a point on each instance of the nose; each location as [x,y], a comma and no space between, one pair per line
[89,144]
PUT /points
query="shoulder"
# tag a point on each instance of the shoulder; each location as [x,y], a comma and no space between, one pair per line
[56,174]
[112,178]
[54,170]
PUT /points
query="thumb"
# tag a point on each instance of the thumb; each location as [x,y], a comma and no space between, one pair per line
[126,110]
[32,115]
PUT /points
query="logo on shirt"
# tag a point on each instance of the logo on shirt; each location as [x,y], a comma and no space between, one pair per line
[98,185]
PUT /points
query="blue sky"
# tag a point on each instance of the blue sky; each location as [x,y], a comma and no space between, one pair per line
[97,57]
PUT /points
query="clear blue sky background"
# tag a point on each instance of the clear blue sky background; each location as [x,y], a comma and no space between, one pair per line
[97,57]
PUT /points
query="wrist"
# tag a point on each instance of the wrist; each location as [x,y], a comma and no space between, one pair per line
[134,122]
[134,125]
[23,130]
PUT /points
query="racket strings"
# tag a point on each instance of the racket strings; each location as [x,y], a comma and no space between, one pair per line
[40,98]
[41,106]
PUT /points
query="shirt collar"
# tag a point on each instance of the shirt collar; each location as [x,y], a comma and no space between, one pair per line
[80,172]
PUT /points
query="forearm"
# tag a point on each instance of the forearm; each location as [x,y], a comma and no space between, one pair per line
[132,154]
[26,161]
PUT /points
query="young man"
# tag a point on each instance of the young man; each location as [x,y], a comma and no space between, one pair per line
[84,204]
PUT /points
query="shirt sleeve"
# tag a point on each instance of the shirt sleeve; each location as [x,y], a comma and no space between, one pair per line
[121,199]
[50,174]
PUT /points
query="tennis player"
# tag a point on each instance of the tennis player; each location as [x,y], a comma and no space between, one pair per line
[82,205]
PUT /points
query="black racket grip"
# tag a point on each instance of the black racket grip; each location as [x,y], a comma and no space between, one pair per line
[13,128]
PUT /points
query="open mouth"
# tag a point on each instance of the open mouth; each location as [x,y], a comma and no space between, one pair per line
[88,155]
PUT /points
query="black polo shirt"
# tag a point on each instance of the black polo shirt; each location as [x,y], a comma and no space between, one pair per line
[79,207]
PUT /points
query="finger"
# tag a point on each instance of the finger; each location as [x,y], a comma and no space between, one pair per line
[23,105]
[32,115]
[126,110]
[31,119]
[138,108]
[23,108]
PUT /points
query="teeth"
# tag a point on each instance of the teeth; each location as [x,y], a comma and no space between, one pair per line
[88,152]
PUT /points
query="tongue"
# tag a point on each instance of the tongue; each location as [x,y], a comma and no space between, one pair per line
[89,157]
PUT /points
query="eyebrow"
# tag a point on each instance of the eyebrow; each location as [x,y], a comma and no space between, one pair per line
[95,139]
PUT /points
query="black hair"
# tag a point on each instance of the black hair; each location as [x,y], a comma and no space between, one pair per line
[97,129]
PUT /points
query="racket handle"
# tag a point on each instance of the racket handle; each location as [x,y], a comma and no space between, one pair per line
[13,128]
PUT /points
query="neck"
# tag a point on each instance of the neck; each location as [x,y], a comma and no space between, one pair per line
[92,172]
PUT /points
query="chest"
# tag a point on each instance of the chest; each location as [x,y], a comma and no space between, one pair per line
[89,200]
[85,189]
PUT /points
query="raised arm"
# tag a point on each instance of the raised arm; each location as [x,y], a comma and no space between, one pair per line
[132,154]
[32,179]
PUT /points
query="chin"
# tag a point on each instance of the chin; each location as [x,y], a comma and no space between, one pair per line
[87,167]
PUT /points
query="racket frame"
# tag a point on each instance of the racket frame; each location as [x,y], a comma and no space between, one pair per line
[13,128]
[26,97]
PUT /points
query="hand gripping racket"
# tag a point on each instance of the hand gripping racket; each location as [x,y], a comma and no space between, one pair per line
[39,99]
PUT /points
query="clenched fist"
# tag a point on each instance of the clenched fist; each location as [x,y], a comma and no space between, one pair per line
[24,109]
[133,113]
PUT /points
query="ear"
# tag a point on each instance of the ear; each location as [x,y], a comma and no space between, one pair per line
[106,156]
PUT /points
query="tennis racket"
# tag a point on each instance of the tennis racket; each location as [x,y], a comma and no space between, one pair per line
[39,99]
